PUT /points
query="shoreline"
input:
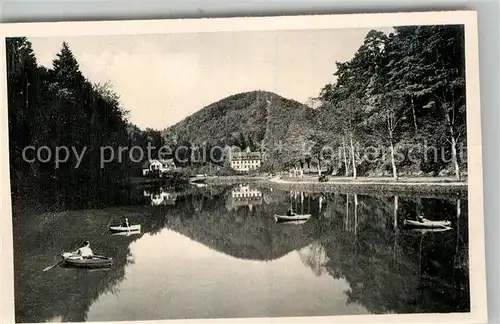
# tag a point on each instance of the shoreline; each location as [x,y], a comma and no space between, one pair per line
[368,185]
[403,181]
[430,186]
[424,181]
[434,190]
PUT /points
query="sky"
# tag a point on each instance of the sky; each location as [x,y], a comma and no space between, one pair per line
[163,78]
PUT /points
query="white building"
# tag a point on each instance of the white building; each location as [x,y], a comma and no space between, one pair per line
[246,160]
[160,165]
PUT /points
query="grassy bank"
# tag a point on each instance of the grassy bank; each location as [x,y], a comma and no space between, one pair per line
[234,179]
[427,186]
[389,180]
[433,187]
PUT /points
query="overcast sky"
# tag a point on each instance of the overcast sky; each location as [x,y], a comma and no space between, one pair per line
[161,79]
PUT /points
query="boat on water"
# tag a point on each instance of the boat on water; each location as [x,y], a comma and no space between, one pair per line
[126,233]
[75,260]
[295,217]
[425,223]
[121,228]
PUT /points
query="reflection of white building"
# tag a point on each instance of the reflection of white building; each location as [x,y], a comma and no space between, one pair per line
[246,160]
[244,191]
[244,195]
[161,197]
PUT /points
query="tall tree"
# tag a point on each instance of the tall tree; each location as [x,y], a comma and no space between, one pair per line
[384,122]
[448,82]
[405,69]
[66,68]
[59,108]
[349,115]
[422,66]
[23,83]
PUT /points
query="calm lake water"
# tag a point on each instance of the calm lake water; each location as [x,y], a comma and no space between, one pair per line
[216,252]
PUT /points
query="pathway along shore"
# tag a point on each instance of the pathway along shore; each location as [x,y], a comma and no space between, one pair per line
[426,186]
[377,185]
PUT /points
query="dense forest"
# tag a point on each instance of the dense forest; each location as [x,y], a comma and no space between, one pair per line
[59,107]
[399,100]
[401,91]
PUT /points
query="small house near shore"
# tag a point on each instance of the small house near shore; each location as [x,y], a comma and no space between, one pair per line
[160,166]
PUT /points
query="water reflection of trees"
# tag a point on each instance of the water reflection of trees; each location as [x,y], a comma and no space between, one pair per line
[315,257]
[391,269]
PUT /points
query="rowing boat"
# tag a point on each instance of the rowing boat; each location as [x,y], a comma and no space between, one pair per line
[126,233]
[286,218]
[96,261]
[121,228]
[427,223]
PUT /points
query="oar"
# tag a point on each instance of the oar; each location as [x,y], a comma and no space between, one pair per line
[100,256]
[54,265]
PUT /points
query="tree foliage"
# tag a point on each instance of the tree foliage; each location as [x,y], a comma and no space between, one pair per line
[410,89]
[59,107]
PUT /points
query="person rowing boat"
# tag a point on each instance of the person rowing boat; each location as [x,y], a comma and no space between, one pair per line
[126,223]
[85,251]
[82,257]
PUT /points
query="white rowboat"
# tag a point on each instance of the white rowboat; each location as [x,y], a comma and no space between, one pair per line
[427,223]
[131,228]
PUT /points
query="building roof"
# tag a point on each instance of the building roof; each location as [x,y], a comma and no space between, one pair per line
[148,163]
[246,156]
